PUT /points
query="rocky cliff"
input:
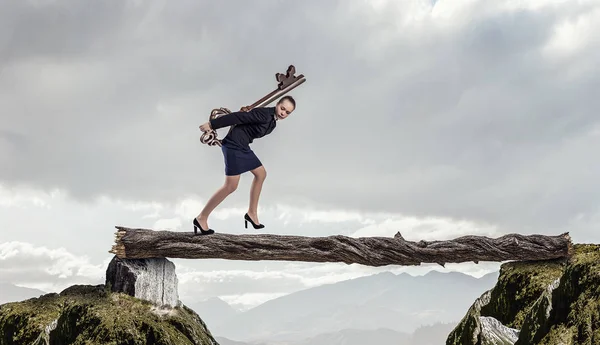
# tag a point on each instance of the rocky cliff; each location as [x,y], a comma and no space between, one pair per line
[545,302]
[138,305]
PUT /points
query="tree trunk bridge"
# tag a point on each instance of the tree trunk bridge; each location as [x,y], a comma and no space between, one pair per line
[139,243]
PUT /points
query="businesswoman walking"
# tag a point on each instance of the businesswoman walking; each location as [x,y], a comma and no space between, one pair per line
[239,158]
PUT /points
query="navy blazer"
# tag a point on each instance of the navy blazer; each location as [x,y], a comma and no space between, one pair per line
[246,126]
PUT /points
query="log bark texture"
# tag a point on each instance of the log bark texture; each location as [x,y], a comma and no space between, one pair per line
[138,243]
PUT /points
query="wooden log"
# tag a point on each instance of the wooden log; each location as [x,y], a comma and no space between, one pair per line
[138,243]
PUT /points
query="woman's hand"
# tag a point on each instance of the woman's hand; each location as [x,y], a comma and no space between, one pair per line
[205,127]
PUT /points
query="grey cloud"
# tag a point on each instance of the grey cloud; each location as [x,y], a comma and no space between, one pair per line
[469,121]
[230,283]
[49,269]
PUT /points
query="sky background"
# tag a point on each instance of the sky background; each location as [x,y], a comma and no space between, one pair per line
[433,118]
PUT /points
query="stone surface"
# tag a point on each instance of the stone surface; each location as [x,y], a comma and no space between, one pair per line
[544,302]
[468,331]
[84,314]
[538,315]
[153,280]
[493,332]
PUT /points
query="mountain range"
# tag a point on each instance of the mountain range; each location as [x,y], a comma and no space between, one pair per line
[385,305]
[385,308]
[427,335]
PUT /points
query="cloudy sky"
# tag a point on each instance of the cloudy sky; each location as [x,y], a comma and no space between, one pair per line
[433,118]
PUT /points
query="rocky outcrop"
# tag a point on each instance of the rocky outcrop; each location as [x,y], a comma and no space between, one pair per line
[469,329]
[95,315]
[538,315]
[153,280]
[538,302]
[494,332]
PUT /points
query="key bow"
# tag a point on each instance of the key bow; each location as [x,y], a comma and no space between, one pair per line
[286,83]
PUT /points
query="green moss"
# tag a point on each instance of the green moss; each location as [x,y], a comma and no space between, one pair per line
[536,318]
[519,285]
[575,310]
[569,314]
[558,335]
[92,315]
[464,332]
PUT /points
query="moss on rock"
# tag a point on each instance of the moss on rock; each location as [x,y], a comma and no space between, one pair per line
[575,314]
[467,332]
[519,286]
[550,302]
[93,315]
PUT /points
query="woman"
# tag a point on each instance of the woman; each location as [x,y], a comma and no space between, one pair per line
[239,158]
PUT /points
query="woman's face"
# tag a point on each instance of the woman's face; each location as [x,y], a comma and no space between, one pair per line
[284,109]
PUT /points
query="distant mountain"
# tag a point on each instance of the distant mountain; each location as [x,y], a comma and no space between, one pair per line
[435,334]
[214,311]
[225,341]
[426,335]
[382,336]
[12,293]
[399,303]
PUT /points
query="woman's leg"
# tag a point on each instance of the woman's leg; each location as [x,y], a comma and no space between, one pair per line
[260,174]
[230,185]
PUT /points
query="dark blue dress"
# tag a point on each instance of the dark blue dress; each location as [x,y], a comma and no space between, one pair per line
[238,162]
[245,127]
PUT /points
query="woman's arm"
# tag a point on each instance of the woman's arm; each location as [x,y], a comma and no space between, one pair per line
[237,118]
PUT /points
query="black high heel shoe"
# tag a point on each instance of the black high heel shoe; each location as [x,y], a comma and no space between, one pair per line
[202,231]
[248,219]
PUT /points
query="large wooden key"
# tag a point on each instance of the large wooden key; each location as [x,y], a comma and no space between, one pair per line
[286,83]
